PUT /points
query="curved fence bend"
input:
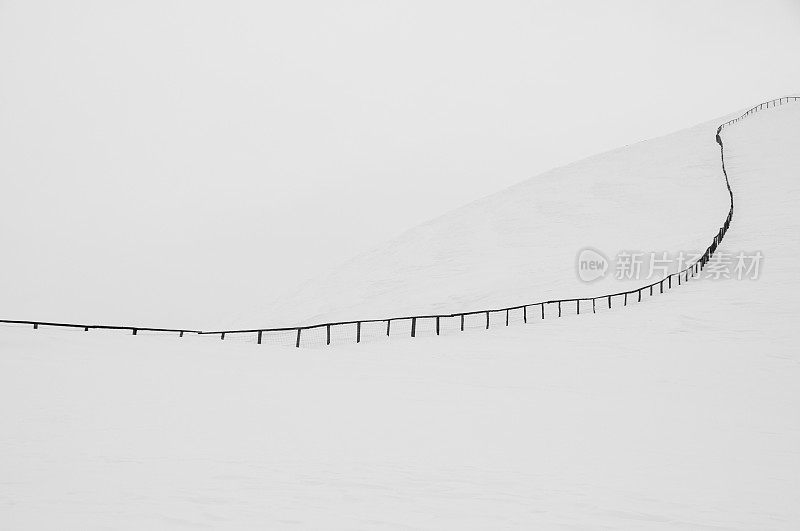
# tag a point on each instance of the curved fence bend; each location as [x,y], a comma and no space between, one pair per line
[356,331]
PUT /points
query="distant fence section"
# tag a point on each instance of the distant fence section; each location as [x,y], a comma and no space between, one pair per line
[134,330]
[349,332]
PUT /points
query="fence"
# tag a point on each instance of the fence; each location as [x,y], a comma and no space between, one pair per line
[437,324]
[134,330]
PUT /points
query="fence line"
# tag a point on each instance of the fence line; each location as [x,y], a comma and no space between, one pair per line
[86,327]
[477,318]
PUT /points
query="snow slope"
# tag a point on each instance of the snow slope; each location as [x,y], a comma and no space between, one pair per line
[681,413]
[520,245]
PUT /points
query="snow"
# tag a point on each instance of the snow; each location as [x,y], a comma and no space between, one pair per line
[520,245]
[680,412]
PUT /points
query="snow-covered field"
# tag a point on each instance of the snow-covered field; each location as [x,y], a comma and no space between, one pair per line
[680,412]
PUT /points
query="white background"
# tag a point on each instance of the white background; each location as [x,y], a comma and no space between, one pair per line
[170,163]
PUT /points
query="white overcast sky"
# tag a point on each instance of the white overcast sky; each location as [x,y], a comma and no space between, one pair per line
[179,161]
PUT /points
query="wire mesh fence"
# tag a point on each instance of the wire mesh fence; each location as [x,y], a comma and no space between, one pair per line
[368,330]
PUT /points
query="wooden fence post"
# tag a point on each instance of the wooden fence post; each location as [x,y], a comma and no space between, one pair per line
[413,327]
[462,322]
[559,308]
[437,325]
[297,343]
[487,320]
[327,334]
[388,326]
[259,336]
[358,332]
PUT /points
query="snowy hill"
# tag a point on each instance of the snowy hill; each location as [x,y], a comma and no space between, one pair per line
[520,245]
[680,412]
